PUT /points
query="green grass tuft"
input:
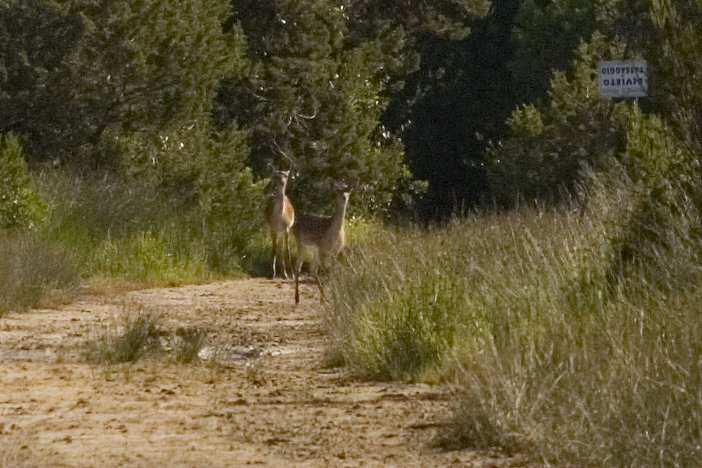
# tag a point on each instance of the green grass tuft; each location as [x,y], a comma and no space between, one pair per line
[128,343]
[186,345]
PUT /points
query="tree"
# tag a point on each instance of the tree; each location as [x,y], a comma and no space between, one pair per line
[550,141]
[80,73]
[310,98]
[445,85]
[20,207]
[547,147]
[546,36]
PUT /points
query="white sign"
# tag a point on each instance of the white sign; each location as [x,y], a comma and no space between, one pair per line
[623,78]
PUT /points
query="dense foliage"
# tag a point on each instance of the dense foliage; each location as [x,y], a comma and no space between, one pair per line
[149,127]
[20,207]
[656,140]
[307,97]
[391,92]
[321,75]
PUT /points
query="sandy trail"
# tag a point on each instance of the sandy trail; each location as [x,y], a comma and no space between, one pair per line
[261,396]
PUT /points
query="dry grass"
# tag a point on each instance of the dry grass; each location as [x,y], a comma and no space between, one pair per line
[126,342]
[28,269]
[139,333]
[573,335]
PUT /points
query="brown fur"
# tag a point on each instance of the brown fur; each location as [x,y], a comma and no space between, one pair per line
[322,235]
[280,215]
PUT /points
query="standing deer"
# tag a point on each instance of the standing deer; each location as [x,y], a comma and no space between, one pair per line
[323,236]
[280,216]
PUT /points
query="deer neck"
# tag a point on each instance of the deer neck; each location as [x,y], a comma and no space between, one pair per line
[337,224]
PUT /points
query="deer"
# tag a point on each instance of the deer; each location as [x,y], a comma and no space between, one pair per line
[280,215]
[323,236]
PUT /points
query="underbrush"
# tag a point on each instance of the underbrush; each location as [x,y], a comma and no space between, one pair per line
[117,228]
[572,334]
[28,269]
[120,229]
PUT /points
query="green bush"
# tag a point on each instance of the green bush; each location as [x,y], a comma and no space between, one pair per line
[194,216]
[661,238]
[119,227]
[20,207]
[405,301]
[234,230]
[401,337]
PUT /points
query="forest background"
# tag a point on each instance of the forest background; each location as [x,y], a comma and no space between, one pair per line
[137,137]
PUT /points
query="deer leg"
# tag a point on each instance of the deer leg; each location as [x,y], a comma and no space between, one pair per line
[274,252]
[321,288]
[287,259]
[322,263]
[298,268]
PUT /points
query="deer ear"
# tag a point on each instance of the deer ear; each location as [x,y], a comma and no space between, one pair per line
[353,183]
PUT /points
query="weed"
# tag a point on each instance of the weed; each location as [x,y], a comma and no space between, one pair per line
[129,343]
[186,344]
[28,269]
[118,227]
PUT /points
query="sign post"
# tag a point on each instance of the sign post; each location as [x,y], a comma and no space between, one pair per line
[622,78]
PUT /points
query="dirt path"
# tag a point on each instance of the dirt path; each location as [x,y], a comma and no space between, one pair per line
[259,397]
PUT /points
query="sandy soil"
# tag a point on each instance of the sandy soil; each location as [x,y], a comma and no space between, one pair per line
[260,395]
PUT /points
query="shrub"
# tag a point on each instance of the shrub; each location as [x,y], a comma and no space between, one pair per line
[148,227]
[660,239]
[611,389]
[119,227]
[402,336]
[231,201]
[141,334]
[20,207]
[186,344]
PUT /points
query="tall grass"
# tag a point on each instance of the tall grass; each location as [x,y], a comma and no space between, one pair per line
[28,269]
[117,228]
[561,342]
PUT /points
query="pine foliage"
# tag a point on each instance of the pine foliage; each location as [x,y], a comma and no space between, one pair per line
[310,100]
[78,74]
[20,207]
